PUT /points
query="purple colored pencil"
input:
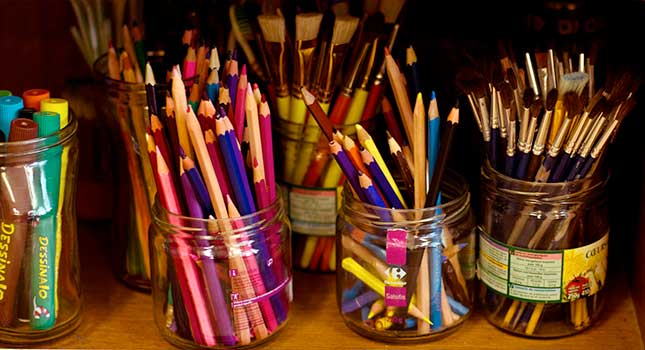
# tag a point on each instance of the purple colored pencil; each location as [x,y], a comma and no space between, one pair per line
[215,294]
[359,301]
[232,78]
[216,158]
[347,167]
[380,180]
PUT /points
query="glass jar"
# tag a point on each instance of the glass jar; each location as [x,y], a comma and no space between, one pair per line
[407,275]
[40,290]
[311,183]
[206,286]
[543,253]
[126,108]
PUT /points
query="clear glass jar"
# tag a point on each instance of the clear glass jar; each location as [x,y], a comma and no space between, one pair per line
[542,253]
[206,286]
[40,289]
[311,183]
[407,275]
[126,108]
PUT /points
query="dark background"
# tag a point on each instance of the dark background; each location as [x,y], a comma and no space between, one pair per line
[38,51]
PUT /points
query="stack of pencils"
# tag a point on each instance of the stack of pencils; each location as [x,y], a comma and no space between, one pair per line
[545,121]
[215,163]
[126,70]
[38,166]
[371,182]
[337,57]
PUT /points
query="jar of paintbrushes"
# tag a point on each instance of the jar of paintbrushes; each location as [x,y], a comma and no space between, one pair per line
[40,287]
[544,215]
[407,275]
[543,253]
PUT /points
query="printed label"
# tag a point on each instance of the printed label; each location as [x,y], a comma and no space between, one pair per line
[543,276]
[396,258]
[312,211]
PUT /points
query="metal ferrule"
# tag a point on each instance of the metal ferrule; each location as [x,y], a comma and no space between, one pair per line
[540,140]
[483,110]
[559,138]
[577,132]
[589,141]
[510,145]
[595,152]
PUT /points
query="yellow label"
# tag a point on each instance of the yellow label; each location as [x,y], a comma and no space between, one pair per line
[584,269]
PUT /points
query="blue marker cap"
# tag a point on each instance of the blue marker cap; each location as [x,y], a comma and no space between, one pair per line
[9,107]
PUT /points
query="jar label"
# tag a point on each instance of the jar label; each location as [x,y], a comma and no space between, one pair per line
[395,253]
[312,211]
[555,276]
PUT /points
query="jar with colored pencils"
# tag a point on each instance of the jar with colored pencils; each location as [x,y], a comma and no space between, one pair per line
[543,253]
[40,287]
[124,104]
[221,283]
[407,275]
[311,182]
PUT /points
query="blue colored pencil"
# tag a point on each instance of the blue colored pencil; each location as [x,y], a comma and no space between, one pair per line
[201,192]
[370,191]
[236,172]
[433,134]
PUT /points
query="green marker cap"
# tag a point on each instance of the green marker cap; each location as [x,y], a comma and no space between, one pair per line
[48,122]
[4,93]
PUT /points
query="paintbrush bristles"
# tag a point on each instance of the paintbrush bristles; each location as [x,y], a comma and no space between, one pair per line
[575,82]
[391,9]
[273,28]
[307,25]
[344,29]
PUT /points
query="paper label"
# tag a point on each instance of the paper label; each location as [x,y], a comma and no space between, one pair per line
[543,276]
[312,211]
[396,258]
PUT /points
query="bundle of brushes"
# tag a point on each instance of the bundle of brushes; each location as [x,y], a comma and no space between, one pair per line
[546,124]
[337,57]
[434,250]
[215,161]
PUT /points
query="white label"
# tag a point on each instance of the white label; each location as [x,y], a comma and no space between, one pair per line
[313,211]
[542,276]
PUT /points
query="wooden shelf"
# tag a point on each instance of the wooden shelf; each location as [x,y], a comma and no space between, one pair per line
[117,317]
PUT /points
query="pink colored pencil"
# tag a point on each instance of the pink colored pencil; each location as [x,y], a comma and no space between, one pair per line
[240,103]
[187,273]
[267,147]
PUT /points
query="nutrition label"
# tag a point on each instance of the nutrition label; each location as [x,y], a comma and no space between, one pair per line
[312,211]
[542,276]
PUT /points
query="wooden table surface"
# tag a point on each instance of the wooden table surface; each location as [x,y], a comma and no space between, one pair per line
[117,317]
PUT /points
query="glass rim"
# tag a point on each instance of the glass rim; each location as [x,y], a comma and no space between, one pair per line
[539,190]
[461,202]
[102,74]
[158,212]
[41,143]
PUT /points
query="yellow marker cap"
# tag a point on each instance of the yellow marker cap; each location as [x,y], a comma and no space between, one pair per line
[58,105]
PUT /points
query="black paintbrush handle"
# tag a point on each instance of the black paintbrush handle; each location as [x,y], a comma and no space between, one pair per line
[586,167]
[509,165]
[557,174]
[534,165]
[492,153]
[520,170]
[575,169]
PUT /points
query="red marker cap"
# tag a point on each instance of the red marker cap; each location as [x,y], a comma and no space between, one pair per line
[23,129]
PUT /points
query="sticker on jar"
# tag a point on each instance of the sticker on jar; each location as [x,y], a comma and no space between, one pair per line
[553,276]
[312,211]
[396,258]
